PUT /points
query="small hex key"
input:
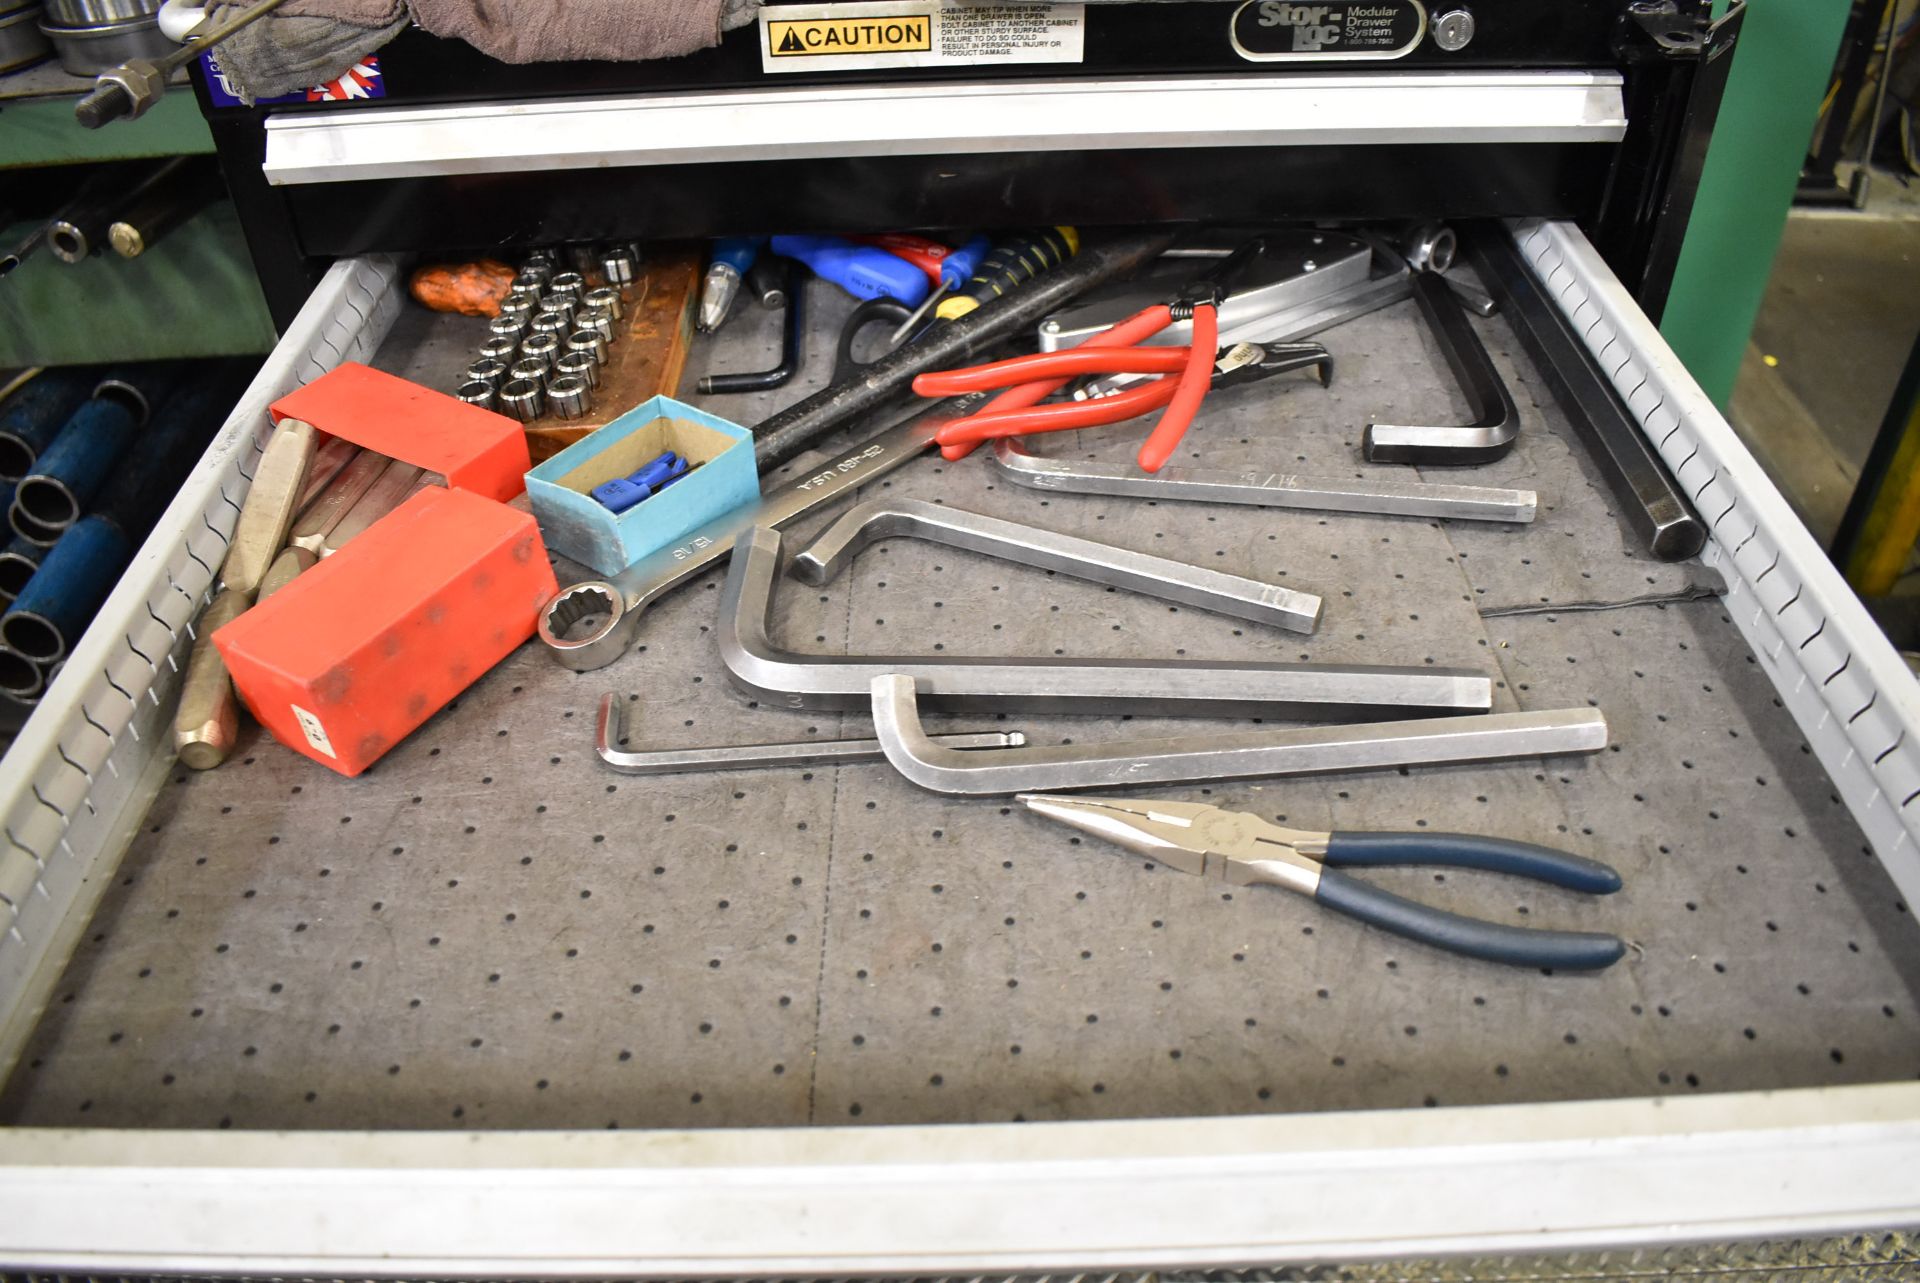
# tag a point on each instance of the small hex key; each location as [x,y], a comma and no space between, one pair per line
[611,724]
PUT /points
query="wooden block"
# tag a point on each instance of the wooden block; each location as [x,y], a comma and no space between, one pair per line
[648,358]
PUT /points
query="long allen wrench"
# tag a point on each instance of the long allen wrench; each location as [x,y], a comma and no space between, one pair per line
[1232,756]
[611,724]
[1263,489]
[1181,687]
[1026,545]
[1496,423]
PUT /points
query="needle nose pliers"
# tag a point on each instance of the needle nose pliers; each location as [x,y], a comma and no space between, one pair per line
[1243,849]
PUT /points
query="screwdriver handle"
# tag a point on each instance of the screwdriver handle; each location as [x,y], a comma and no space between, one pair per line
[1009,265]
[957,268]
[927,255]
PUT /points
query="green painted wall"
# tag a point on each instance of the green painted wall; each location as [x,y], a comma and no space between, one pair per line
[1782,64]
[192,294]
[42,131]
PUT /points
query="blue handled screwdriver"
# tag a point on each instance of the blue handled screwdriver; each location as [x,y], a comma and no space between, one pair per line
[861,270]
[956,269]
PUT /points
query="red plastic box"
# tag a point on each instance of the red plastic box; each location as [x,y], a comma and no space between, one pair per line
[473,449]
[346,660]
[354,654]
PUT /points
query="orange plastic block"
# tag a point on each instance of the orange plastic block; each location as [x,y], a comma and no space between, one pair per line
[473,449]
[383,633]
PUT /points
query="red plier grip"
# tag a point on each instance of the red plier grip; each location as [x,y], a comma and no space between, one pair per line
[1073,362]
[1166,434]
[1142,325]
[1128,404]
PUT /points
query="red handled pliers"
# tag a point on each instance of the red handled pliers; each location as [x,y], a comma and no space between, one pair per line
[1029,380]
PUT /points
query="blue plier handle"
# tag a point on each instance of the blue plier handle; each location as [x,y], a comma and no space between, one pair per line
[1244,849]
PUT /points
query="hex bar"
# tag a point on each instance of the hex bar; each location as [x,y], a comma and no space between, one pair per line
[1233,756]
[1177,687]
[1360,496]
[1026,545]
[1496,422]
[1650,499]
[744,757]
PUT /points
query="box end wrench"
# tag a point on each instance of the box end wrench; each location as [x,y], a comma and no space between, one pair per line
[618,602]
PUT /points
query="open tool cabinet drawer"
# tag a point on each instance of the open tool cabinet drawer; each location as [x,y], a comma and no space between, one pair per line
[491,1010]
[1711,902]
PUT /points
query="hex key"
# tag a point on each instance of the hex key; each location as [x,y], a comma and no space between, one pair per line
[1180,687]
[1025,545]
[793,347]
[1360,496]
[742,757]
[1231,756]
[1496,423]
[1650,499]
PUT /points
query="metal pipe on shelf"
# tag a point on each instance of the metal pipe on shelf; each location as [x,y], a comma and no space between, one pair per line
[87,451]
[55,605]
[32,417]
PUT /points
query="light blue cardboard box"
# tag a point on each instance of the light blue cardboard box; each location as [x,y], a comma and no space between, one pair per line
[575,525]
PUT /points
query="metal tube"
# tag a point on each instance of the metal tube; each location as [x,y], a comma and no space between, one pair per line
[20,677]
[800,426]
[1233,756]
[78,462]
[61,599]
[1024,545]
[610,725]
[169,200]
[162,455]
[1365,496]
[17,565]
[32,417]
[25,527]
[1172,687]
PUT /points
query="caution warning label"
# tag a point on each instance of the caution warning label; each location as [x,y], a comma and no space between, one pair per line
[837,37]
[917,33]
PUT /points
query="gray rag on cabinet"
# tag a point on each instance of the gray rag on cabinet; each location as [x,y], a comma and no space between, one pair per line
[311,42]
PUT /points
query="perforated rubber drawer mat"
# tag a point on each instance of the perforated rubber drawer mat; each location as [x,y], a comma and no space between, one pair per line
[490,930]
